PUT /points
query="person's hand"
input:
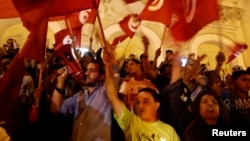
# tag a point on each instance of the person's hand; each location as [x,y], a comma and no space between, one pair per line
[62,73]
[220,58]
[158,52]
[145,41]
[107,58]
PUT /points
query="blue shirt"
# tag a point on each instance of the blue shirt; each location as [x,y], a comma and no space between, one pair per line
[92,114]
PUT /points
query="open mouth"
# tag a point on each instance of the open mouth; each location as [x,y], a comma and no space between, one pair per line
[210,109]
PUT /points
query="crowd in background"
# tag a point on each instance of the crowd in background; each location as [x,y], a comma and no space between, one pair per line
[188,100]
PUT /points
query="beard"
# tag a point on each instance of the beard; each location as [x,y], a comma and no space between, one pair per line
[89,82]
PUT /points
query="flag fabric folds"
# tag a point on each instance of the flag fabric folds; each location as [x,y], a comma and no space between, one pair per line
[158,11]
[11,84]
[34,15]
[192,17]
[237,50]
[34,47]
[129,25]
[7,9]
[74,23]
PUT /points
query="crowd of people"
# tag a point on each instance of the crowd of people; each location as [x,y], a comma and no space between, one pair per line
[125,99]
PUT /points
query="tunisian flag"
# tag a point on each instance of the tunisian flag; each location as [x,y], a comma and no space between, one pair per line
[7,9]
[158,11]
[237,50]
[192,16]
[129,25]
[34,15]
[74,22]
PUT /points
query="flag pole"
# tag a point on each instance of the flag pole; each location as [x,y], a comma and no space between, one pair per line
[72,37]
[164,33]
[102,38]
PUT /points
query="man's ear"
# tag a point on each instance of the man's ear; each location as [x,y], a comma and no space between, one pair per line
[157,105]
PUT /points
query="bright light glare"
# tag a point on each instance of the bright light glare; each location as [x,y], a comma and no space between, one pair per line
[183,62]
[81,52]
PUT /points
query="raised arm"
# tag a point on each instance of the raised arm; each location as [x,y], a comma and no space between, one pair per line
[220,59]
[196,66]
[57,96]
[111,90]
[145,61]
[172,94]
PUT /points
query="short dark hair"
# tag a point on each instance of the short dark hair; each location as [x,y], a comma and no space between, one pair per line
[169,51]
[89,54]
[135,60]
[100,63]
[237,74]
[153,92]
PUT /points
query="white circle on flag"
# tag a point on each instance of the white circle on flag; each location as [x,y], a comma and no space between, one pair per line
[156,5]
[189,9]
[67,40]
[133,23]
[84,15]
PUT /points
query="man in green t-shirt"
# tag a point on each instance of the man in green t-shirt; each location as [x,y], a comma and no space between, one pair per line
[145,125]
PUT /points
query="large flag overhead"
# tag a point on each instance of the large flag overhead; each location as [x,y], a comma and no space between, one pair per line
[7,9]
[64,7]
[193,15]
[35,45]
[40,10]
[34,15]
[158,11]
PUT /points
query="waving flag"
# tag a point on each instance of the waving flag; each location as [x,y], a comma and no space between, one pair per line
[74,22]
[237,50]
[34,15]
[7,9]
[64,7]
[129,25]
[193,15]
[158,11]
[34,47]
[10,84]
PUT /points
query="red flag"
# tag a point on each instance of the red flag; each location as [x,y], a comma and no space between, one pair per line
[64,37]
[74,22]
[78,19]
[7,9]
[129,24]
[34,47]
[118,39]
[10,84]
[130,1]
[154,10]
[84,16]
[237,50]
[192,17]
[64,7]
